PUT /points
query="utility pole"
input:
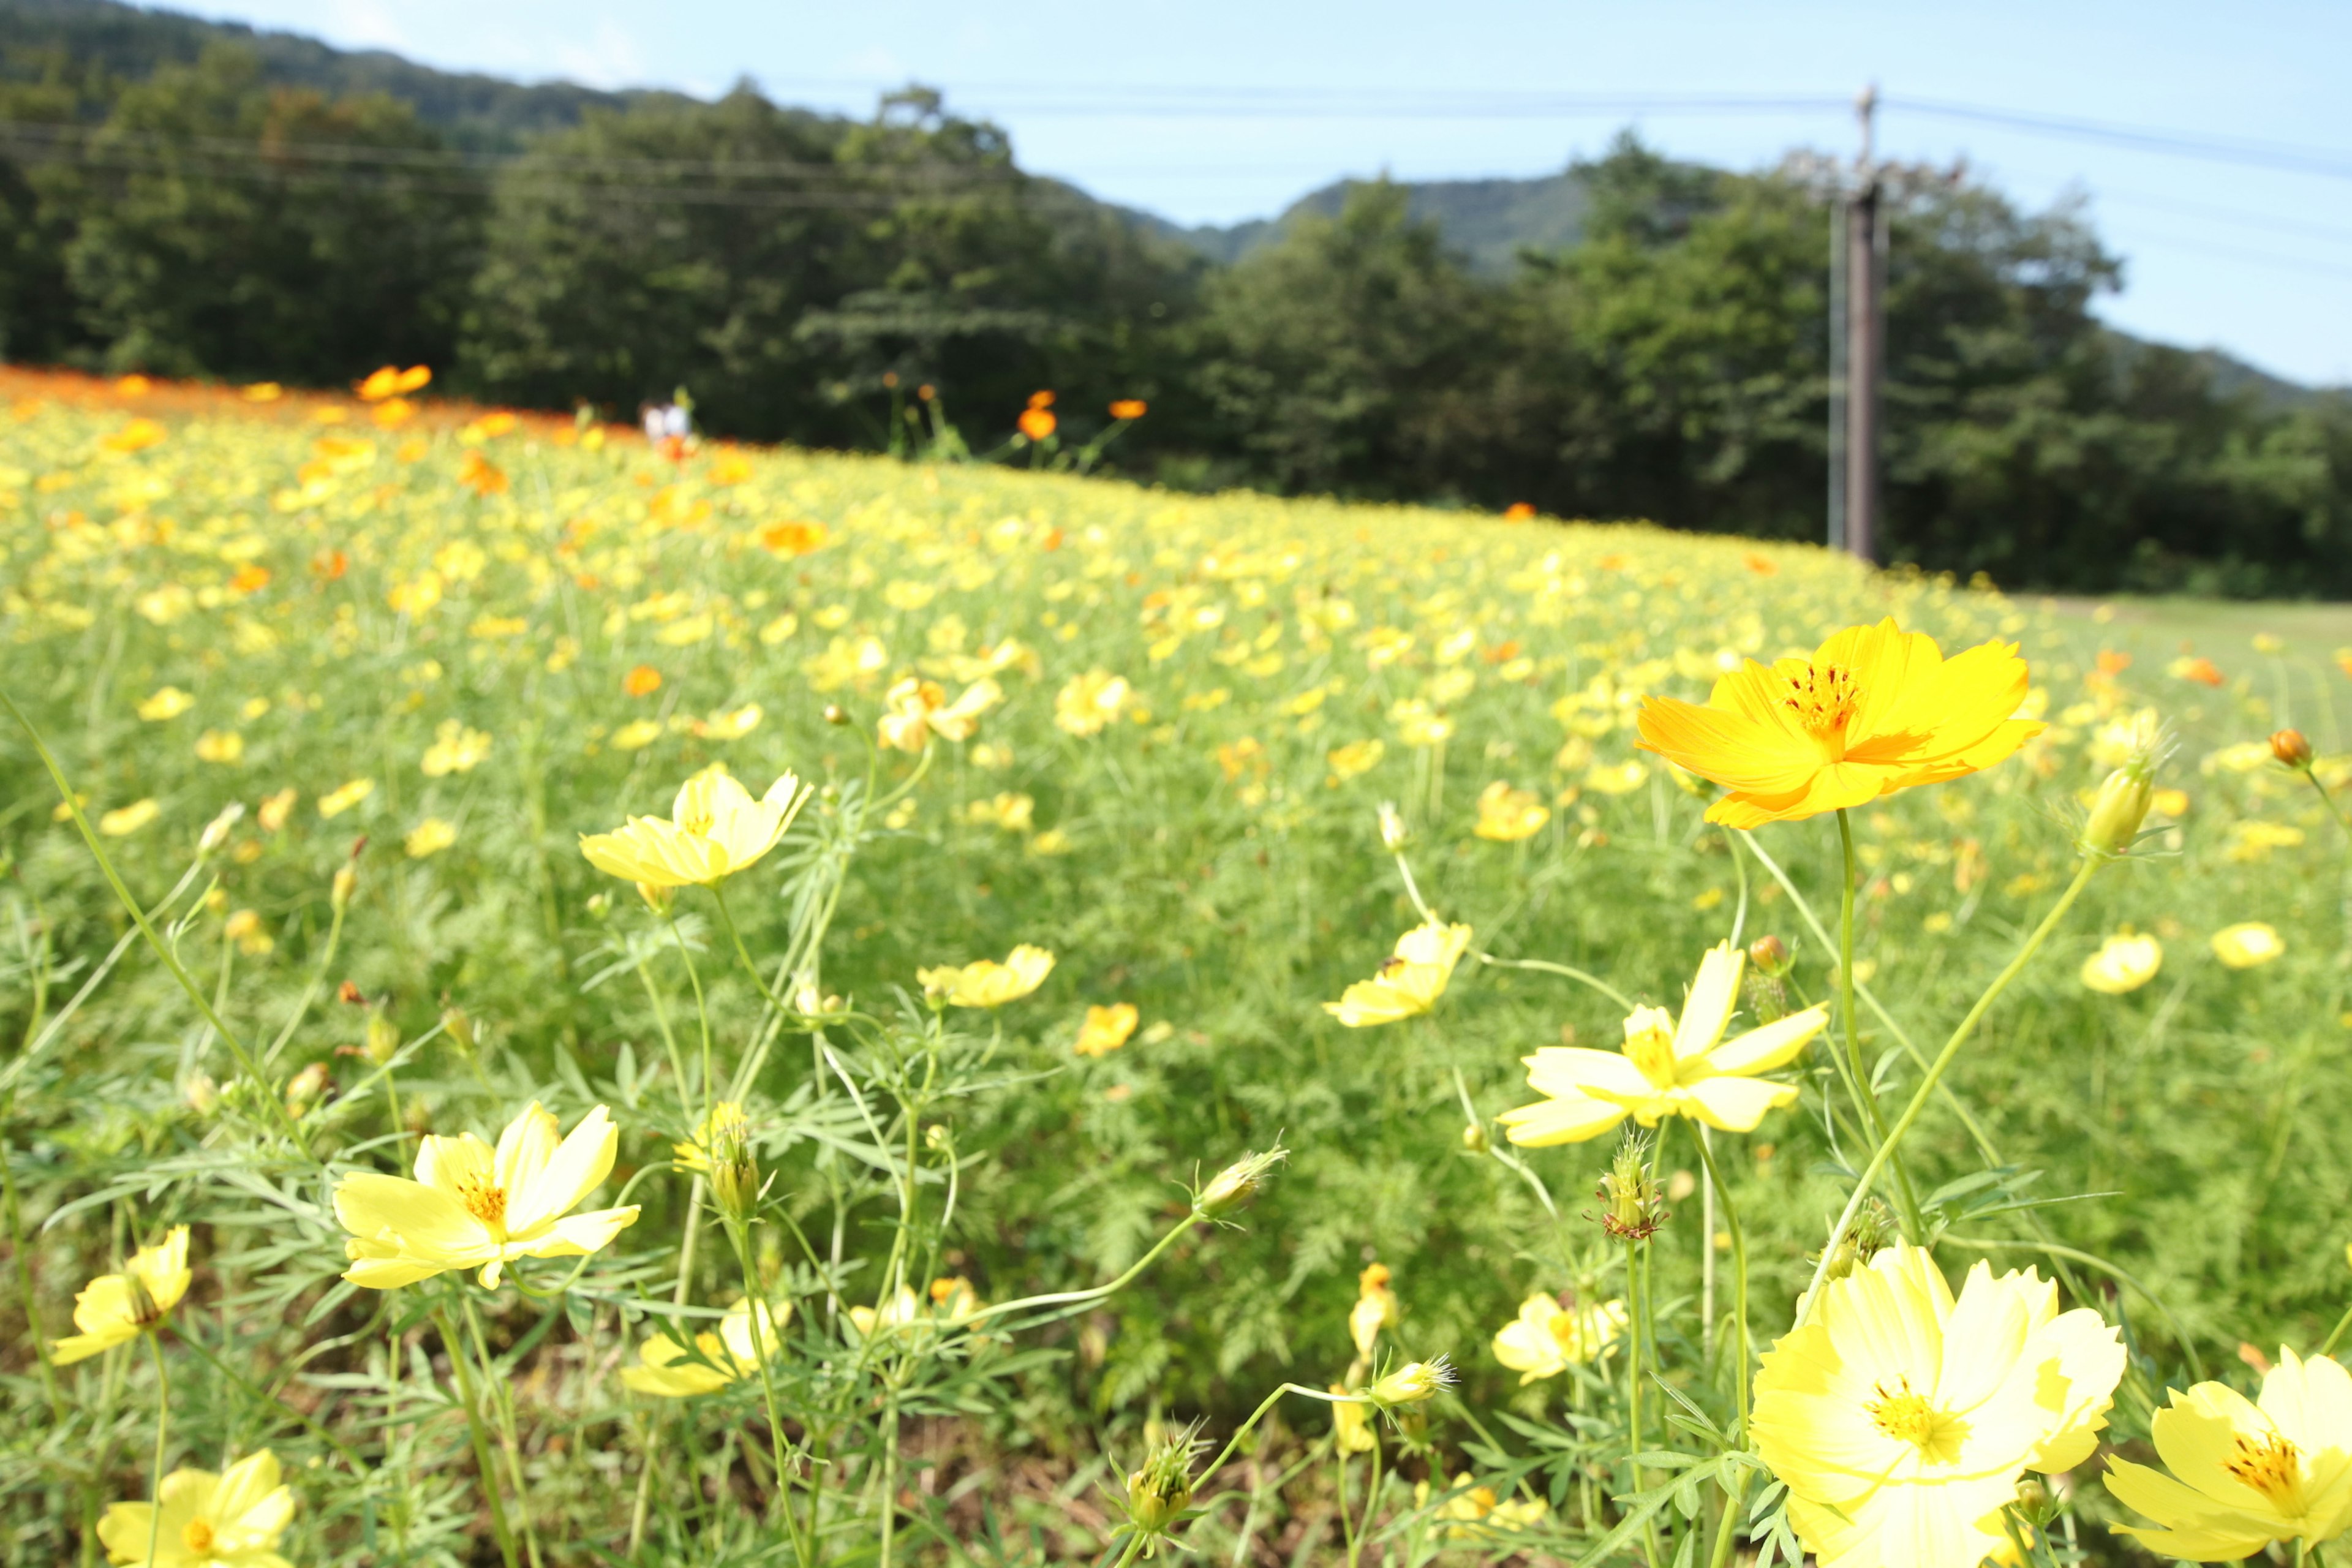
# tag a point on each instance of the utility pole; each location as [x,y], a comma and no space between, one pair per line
[1864,341]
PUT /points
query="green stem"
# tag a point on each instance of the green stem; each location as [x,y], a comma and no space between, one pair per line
[163,1429]
[1578,974]
[701,1011]
[759,1301]
[727,919]
[1347,1523]
[1739,1278]
[139,917]
[1937,1069]
[257,1392]
[483,1463]
[2336,1336]
[28,1299]
[1863,1087]
[509,1438]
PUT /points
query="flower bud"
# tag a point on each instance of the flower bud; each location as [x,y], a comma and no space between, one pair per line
[1159,1493]
[658,900]
[202,1094]
[383,1039]
[1634,1208]
[216,833]
[2291,749]
[2116,816]
[1474,1138]
[346,883]
[305,1088]
[834,714]
[1233,1188]
[1412,1382]
[1392,830]
[1770,955]
[458,1028]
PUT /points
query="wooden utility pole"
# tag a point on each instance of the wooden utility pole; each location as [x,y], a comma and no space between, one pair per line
[1865,343]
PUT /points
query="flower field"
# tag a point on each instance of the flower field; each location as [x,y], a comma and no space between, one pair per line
[591,1003]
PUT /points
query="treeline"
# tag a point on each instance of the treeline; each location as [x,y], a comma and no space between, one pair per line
[801,273]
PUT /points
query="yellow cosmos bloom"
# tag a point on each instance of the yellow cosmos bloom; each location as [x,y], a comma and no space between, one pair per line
[2123,962]
[1546,1338]
[115,1309]
[1668,1068]
[2247,1473]
[1376,1308]
[1409,982]
[1351,1425]
[1105,1029]
[1875,709]
[1507,814]
[2248,946]
[431,836]
[233,1518]
[725,1128]
[914,710]
[336,802]
[127,820]
[168,702]
[985,982]
[716,828]
[1900,1418]
[666,1370]
[455,749]
[1091,701]
[472,1206]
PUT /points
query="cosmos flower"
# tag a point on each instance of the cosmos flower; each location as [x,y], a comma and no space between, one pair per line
[1668,1067]
[2247,945]
[1875,710]
[1409,981]
[985,982]
[2123,962]
[115,1309]
[472,1206]
[232,1519]
[1546,1338]
[1105,1029]
[666,1370]
[1505,814]
[716,828]
[1900,1416]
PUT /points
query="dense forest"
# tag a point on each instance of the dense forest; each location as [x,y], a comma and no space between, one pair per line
[188,207]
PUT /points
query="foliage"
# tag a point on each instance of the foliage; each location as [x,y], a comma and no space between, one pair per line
[210,600]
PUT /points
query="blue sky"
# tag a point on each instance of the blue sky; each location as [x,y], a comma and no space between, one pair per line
[2254,259]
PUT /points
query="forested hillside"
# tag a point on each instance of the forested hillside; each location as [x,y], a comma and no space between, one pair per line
[1637,337]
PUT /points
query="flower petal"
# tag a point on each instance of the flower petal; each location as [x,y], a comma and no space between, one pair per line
[568,1172]
[1706,1011]
[524,1149]
[1735,1104]
[424,1222]
[1773,1045]
[1565,1118]
[575,1236]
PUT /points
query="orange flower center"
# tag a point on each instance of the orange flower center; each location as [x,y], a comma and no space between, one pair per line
[484,1200]
[197,1535]
[2271,1466]
[1823,697]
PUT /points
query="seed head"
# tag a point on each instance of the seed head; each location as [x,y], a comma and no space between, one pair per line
[1158,1492]
[1412,1382]
[1633,1207]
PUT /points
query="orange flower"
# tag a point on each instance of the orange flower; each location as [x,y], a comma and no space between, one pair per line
[135,436]
[249,579]
[1763,566]
[2113,663]
[330,564]
[793,538]
[2199,670]
[1041,400]
[1128,408]
[1037,423]
[391,380]
[1519,512]
[1875,709]
[642,681]
[481,476]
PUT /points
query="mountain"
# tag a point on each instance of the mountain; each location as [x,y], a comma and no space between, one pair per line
[1487,221]
[475,112]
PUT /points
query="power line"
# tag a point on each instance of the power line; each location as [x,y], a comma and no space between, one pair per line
[2328,162]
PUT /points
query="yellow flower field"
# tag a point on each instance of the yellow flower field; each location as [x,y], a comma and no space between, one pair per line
[1031,964]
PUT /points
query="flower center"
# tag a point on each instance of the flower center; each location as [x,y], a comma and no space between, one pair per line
[1823,697]
[144,1309]
[484,1200]
[1650,1045]
[197,1535]
[2271,1466]
[1912,1418]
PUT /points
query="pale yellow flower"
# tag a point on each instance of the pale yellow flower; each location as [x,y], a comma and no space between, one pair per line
[1546,1338]
[431,836]
[986,982]
[198,1517]
[666,1370]
[336,802]
[168,702]
[716,828]
[1668,1067]
[2248,944]
[1409,981]
[455,749]
[1105,1029]
[2123,962]
[220,746]
[731,724]
[124,821]
[1354,759]
[1351,1425]
[1900,1418]
[115,1309]
[2249,1473]
[724,1124]
[472,1206]
[1091,701]
[637,734]
[900,1312]
[1507,815]
[1375,1308]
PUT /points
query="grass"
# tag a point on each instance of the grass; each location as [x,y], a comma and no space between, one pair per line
[337,600]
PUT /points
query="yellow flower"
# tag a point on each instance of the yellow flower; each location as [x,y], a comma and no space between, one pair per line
[473,1208]
[168,702]
[334,802]
[1375,1307]
[1089,701]
[731,724]
[220,746]
[1875,709]
[901,1311]
[1668,1068]
[124,822]
[2242,947]
[716,828]
[1507,814]
[2123,962]
[1900,1418]
[233,1518]
[1105,1029]
[1409,982]
[1351,1425]
[637,734]
[1616,778]
[1355,758]
[725,1128]
[1546,1338]
[114,1309]
[666,1369]
[2247,1473]
[431,836]
[455,749]
[985,982]
[916,710]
